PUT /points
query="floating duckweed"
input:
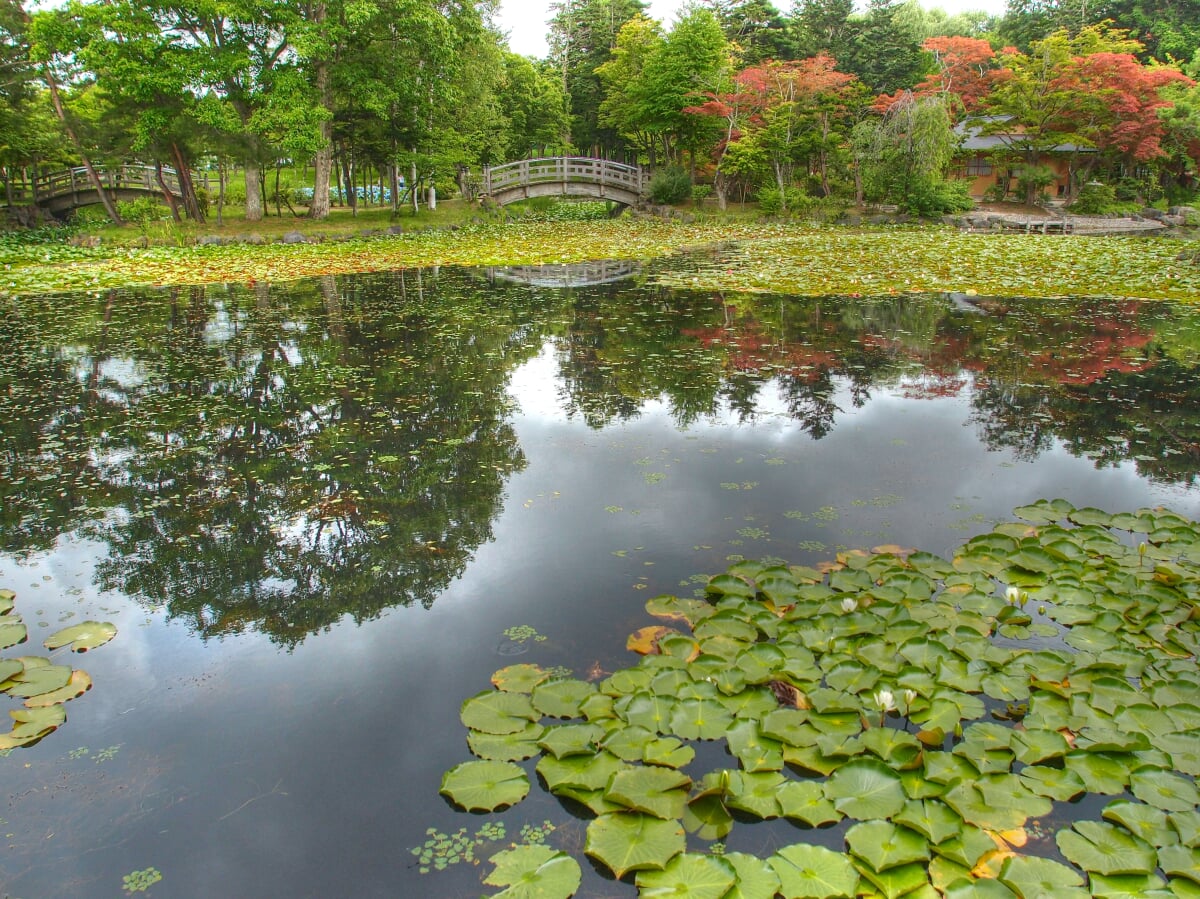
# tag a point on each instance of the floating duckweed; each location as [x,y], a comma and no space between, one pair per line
[140,881]
[522,633]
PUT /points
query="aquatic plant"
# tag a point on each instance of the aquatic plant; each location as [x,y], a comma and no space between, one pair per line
[43,686]
[922,732]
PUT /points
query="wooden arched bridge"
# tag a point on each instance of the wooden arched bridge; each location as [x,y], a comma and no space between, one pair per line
[60,192]
[565,176]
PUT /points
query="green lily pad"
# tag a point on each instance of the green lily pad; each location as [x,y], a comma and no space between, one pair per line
[806,801]
[506,747]
[485,785]
[1143,821]
[1129,886]
[632,841]
[755,877]
[688,876]
[936,820]
[534,872]
[495,712]
[1180,861]
[814,872]
[571,739]
[1031,877]
[35,680]
[1106,849]
[83,636]
[883,845]
[865,789]
[580,772]
[519,678]
[661,792]
[31,725]
[707,817]
[12,631]
[1164,790]
[755,793]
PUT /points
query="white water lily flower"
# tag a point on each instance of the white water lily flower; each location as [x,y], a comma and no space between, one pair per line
[885,700]
[1012,596]
[849,605]
[910,696]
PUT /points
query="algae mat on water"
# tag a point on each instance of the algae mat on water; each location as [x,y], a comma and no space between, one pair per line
[928,724]
[798,259]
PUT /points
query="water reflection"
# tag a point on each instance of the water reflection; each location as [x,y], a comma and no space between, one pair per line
[279,457]
[274,465]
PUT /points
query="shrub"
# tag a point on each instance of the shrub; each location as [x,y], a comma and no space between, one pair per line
[142,211]
[772,202]
[670,185]
[701,192]
[930,197]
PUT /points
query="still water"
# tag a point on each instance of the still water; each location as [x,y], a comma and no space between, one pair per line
[314,510]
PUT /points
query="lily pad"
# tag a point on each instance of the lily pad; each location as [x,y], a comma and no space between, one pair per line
[83,636]
[866,789]
[632,841]
[1031,877]
[1106,849]
[485,785]
[534,872]
[814,872]
[688,876]
[883,845]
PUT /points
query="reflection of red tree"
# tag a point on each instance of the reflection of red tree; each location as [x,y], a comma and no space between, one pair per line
[1112,346]
[748,349]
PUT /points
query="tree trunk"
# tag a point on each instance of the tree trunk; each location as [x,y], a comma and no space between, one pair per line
[412,187]
[348,180]
[319,209]
[254,197]
[187,189]
[172,203]
[109,206]
[221,176]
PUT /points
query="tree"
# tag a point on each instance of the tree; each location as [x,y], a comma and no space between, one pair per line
[906,153]
[692,60]
[625,108]
[963,73]
[754,28]
[823,26]
[534,108]
[582,36]
[883,50]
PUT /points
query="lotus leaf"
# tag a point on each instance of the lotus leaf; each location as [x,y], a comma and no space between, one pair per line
[1129,886]
[936,820]
[579,772]
[1180,861]
[966,849]
[755,877]
[593,800]
[900,749]
[1047,511]
[667,752]
[964,888]
[646,710]
[12,631]
[883,844]
[1031,877]
[1054,783]
[814,872]
[534,872]
[805,801]
[707,817]
[83,636]
[485,785]
[757,794]
[506,747]
[31,725]
[37,679]
[700,718]
[865,789]
[495,712]
[1187,825]
[891,883]
[519,678]
[674,608]
[1143,821]
[629,743]
[1037,745]
[1164,790]
[689,876]
[571,739]
[562,698]
[1100,772]
[626,681]
[754,751]
[1106,849]
[78,684]
[730,585]
[631,841]
[661,792]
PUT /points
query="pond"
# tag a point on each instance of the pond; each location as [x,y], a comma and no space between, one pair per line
[322,514]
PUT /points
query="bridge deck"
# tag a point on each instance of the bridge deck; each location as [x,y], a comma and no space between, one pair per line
[566,175]
[73,184]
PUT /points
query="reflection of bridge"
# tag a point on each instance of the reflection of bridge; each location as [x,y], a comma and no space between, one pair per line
[576,274]
[565,176]
[58,192]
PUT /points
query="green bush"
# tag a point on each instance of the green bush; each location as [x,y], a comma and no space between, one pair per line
[772,202]
[1095,198]
[928,197]
[142,211]
[670,185]
[701,192]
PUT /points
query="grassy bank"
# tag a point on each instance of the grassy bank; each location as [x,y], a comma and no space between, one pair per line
[756,255]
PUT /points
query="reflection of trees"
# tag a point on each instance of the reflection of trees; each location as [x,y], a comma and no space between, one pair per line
[278,458]
[283,458]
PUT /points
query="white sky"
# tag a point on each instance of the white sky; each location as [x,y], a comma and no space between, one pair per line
[525,20]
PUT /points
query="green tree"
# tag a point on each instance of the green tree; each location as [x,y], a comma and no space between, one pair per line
[534,108]
[884,51]
[626,105]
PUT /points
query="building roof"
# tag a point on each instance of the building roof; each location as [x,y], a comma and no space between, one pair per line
[972,140]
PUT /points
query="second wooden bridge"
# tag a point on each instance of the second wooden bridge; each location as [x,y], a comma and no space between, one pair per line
[565,176]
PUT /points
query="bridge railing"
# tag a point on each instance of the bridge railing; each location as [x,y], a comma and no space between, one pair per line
[562,170]
[75,180]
